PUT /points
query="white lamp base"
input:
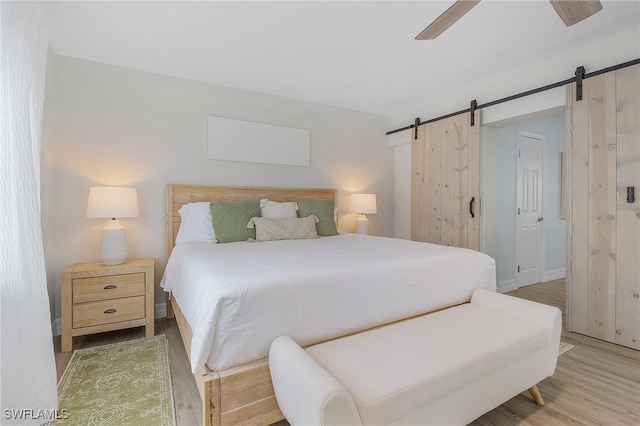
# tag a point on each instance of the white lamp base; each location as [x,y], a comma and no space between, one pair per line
[362,225]
[113,245]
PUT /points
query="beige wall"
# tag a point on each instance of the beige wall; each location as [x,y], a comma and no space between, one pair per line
[108,125]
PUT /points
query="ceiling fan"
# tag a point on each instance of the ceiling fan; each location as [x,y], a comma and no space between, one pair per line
[570,11]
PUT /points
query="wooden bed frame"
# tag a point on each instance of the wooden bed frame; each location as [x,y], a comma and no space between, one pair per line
[242,394]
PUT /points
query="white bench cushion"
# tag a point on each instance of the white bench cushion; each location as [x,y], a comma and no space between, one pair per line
[472,342]
[307,392]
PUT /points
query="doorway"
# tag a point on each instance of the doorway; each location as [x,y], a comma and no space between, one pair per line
[499,194]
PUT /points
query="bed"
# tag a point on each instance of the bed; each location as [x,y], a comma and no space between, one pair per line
[231,300]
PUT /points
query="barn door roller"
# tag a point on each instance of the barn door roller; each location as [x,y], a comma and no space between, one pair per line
[579,77]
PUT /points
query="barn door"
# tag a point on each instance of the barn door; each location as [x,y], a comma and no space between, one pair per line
[445,185]
[603,221]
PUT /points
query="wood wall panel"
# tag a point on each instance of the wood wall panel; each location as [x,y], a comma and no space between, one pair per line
[603,230]
[434,136]
[602,206]
[448,177]
[461,188]
[628,215]
[578,218]
[417,176]
[445,170]
[473,139]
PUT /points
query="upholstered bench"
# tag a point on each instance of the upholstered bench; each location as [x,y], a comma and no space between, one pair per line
[445,368]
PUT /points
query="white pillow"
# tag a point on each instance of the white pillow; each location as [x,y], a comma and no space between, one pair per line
[274,210]
[196,224]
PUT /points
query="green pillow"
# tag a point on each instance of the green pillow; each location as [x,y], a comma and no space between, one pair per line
[323,210]
[230,220]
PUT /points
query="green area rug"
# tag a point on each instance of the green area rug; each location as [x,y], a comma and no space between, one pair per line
[126,383]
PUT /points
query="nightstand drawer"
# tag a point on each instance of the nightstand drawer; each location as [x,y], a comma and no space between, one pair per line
[108,311]
[109,287]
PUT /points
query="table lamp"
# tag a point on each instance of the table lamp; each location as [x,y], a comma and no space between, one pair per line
[113,202]
[363,204]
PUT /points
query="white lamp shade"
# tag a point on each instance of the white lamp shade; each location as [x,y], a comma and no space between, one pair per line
[112,202]
[363,203]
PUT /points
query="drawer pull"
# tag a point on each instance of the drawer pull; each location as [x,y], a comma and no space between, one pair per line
[110,287]
[110,311]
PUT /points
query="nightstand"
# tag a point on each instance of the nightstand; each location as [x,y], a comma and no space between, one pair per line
[97,298]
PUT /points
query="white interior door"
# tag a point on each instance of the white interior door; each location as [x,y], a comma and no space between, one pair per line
[530,219]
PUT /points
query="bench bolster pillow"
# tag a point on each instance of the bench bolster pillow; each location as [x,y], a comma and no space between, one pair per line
[548,316]
[307,393]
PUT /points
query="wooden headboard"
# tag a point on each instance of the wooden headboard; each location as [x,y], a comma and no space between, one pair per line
[177,195]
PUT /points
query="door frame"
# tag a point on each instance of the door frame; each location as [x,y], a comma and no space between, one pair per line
[542,242]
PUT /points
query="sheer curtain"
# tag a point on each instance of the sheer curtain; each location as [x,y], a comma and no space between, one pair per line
[28,391]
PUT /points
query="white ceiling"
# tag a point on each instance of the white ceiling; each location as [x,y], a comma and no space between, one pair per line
[359,55]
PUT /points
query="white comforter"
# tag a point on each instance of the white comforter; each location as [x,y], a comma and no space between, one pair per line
[238,297]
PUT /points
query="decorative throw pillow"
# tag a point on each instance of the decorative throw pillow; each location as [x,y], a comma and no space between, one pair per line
[275,210]
[230,220]
[195,223]
[324,211]
[284,228]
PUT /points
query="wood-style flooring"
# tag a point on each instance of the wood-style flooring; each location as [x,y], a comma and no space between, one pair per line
[595,383]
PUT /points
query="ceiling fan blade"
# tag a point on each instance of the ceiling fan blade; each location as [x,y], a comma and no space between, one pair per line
[573,11]
[448,18]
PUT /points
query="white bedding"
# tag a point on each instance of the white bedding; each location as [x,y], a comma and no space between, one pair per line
[238,297]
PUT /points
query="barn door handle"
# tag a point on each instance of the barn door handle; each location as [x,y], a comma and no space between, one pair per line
[473,199]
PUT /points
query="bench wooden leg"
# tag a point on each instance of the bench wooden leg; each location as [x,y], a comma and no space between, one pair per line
[535,393]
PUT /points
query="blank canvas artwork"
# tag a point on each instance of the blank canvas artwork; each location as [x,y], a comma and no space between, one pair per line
[237,140]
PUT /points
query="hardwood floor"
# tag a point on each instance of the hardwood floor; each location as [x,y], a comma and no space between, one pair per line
[595,383]
[185,392]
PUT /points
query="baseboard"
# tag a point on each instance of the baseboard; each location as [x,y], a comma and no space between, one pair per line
[553,275]
[510,285]
[160,312]
[507,285]
[56,327]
